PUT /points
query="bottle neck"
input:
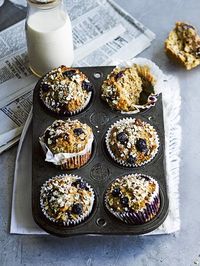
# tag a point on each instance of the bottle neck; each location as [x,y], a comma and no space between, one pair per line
[54,8]
[44,5]
[46,18]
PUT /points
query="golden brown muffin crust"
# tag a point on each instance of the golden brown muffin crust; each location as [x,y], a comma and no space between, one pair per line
[66,198]
[132,142]
[69,136]
[126,87]
[65,90]
[183,45]
[138,189]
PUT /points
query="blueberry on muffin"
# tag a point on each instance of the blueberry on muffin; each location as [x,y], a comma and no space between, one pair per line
[66,199]
[67,143]
[65,91]
[129,89]
[132,142]
[134,199]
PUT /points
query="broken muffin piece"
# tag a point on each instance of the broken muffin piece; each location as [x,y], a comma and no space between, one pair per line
[183,45]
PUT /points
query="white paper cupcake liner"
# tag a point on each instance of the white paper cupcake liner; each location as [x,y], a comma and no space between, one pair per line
[68,160]
[158,86]
[138,108]
[142,216]
[82,217]
[76,162]
[121,162]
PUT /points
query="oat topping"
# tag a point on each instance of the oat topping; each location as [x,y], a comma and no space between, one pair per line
[68,136]
[132,142]
[65,90]
[66,199]
[131,193]
[183,45]
[125,88]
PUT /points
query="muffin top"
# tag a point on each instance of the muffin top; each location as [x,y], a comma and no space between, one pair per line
[131,193]
[125,88]
[184,43]
[132,142]
[66,199]
[70,136]
[65,90]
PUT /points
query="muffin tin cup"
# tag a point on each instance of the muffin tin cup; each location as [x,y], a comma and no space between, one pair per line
[121,162]
[100,170]
[70,222]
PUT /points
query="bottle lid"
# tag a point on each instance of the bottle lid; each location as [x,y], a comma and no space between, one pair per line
[42,2]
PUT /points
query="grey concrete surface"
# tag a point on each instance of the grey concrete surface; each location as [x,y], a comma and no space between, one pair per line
[182,249]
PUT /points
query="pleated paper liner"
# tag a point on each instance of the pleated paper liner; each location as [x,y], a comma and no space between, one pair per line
[77,219]
[121,162]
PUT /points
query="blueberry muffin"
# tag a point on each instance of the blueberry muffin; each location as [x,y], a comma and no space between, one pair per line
[134,199]
[65,91]
[129,89]
[66,199]
[67,144]
[183,45]
[132,142]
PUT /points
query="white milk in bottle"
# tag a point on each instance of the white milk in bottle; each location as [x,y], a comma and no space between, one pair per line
[49,36]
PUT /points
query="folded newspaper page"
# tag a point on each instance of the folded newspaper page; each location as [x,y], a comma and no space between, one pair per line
[12,119]
[103,32]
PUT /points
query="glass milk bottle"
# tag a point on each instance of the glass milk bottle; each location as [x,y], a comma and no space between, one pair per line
[49,36]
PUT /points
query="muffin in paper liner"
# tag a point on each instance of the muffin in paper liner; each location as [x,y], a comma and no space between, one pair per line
[66,199]
[133,199]
[132,142]
[133,86]
[65,91]
[67,144]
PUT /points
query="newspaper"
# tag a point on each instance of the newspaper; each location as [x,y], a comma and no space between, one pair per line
[102,31]
[13,117]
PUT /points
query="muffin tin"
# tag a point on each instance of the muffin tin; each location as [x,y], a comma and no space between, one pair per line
[101,168]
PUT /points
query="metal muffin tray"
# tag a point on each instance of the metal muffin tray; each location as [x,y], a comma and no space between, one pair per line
[101,169]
